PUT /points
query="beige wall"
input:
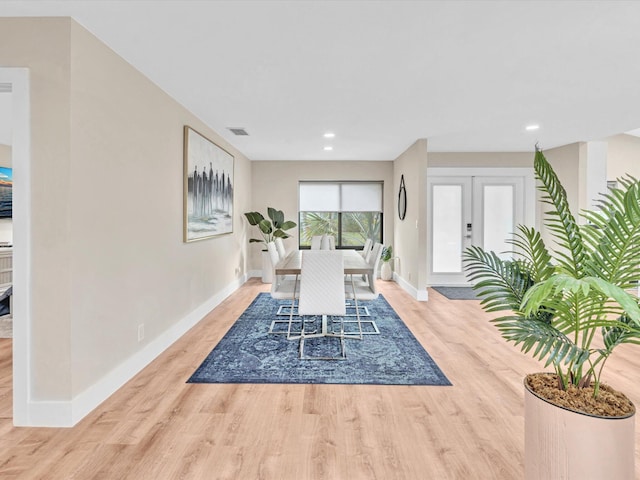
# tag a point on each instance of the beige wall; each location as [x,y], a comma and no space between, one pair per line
[106,198]
[566,162]
[410,234]
[5,156]
[481,159]
[623,156]
[43,45]
[275,184]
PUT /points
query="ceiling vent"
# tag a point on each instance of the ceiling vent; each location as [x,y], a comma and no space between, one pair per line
[238,131]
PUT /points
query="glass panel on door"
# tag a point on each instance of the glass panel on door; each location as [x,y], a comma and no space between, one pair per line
[449,219]
[447,228]
[498,216]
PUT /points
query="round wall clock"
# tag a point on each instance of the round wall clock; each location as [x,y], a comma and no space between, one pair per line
[402,199]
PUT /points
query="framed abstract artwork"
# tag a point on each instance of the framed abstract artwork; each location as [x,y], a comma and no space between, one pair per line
[208,188]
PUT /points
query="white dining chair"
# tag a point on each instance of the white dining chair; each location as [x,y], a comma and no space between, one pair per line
[374,261]
[370,257]
[366,254]
[371,251]
[364,289]
[322,293]
[283,287]
[316,242]
[282,254]
[366,250]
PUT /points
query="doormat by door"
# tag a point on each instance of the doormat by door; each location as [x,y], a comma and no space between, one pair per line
[457,293]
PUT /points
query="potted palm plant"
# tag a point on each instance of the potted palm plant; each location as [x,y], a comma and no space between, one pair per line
[270,228]
[570,307]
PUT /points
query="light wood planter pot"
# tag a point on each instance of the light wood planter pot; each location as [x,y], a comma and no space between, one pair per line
[563,444]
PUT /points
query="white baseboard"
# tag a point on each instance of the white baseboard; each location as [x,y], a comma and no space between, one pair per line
[47,414]
[67,414]
[420,295]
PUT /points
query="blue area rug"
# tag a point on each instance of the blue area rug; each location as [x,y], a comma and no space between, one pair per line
[249,354]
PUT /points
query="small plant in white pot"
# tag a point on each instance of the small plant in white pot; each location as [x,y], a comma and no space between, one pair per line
[570,308]
[386,272]
[270,228]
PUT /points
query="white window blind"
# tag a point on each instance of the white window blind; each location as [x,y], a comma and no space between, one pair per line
[340,196]
[319,197]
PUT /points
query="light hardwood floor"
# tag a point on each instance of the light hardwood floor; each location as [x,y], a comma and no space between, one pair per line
[159,427]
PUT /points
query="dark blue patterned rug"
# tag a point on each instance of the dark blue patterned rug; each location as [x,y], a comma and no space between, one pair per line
[249,354]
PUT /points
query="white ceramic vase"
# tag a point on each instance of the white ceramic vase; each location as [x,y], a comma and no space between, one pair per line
[267,269]
[385,271]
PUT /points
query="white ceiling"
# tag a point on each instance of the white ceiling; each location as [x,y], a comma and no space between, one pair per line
[468,76]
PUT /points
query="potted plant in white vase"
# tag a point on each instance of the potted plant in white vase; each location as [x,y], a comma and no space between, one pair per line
[570,307]
[271,228]
[386,272]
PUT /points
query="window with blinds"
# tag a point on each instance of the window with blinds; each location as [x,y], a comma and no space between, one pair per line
[349,211]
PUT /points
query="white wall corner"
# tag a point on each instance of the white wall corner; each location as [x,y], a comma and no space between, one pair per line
[21,161]
[420,295]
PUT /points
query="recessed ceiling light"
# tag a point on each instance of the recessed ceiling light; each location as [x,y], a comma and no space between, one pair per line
[329,135]
[328,148]
[531,128]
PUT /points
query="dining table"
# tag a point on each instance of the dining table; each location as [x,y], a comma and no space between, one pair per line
[354,263]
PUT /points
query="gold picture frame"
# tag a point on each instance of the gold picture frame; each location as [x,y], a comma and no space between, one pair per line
[208,188]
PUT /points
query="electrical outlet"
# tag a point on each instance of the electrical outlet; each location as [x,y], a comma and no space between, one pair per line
[141,332]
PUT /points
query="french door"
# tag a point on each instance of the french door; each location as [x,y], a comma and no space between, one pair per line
[474,209]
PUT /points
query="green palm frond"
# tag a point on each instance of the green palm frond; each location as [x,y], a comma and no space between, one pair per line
[613,233]
[560,220]
[550,345]
[500,284]
[623,332]
[532,253]
[580,305]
